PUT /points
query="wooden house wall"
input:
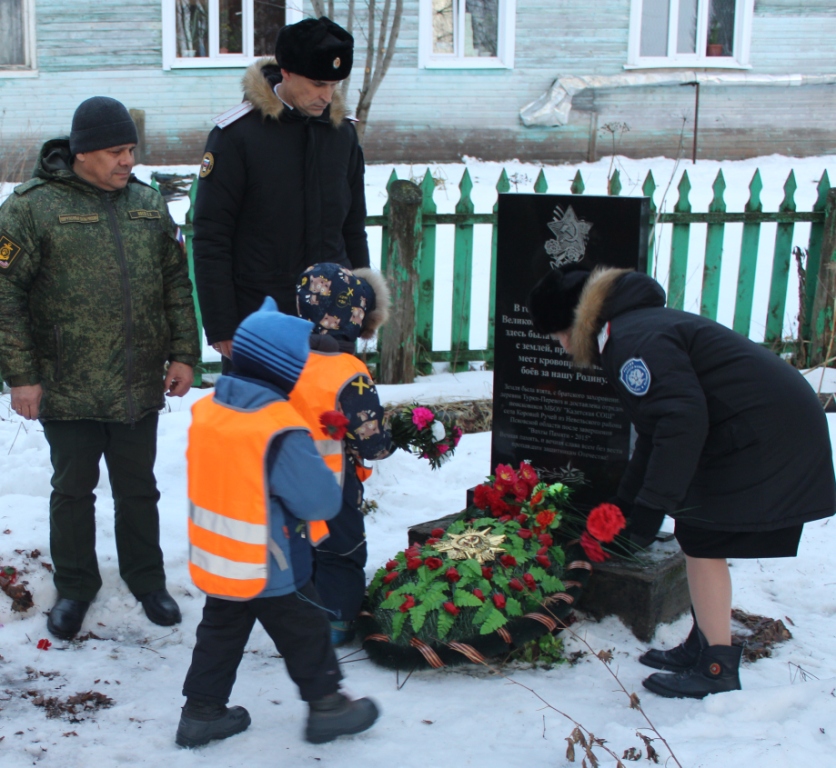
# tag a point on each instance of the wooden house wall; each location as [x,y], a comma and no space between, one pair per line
[113,47]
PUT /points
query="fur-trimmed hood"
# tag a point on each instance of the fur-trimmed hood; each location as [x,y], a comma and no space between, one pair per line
[607,293]
[258,83]
[382,301]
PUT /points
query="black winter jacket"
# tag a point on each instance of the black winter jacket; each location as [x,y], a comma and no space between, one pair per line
[730,437]
[278,192]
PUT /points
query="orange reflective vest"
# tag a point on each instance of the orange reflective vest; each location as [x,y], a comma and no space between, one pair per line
[318,390]
[229,510]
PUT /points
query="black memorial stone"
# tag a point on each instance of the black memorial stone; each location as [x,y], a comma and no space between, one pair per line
[567,422]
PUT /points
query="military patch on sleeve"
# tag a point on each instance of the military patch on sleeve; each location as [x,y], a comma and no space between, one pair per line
[9,250]
[635,375]
[207,165]
[142,214]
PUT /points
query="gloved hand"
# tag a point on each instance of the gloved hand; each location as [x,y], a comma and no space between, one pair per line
[643,524]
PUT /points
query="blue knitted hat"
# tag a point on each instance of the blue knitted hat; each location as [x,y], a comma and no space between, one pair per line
[271,346]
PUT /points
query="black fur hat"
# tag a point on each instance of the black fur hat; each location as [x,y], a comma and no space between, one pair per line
[316,48]
[552,302]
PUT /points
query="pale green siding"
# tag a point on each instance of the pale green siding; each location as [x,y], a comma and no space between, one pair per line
[114,48]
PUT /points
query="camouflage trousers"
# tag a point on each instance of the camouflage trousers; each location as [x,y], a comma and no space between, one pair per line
[76,448]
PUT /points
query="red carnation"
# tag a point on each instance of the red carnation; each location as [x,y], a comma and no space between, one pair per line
[536,498]
[390,577]
[529,581]
[506,475]
[505,519]
[407,604]
[437,532]
[605,522]
[509,561]
[545,539]
[593,549]
[480,594]
[452,575]
[335,424]
[487,573]
[520,490]
[499,506]
[527,473]
[499,601]
[432,541]
[412,551]
[522,519]
[391,565]
[524,533]
[516,584]
[450,608]
[433,563]
[543,551]
[545,518]
[414,563]
[543,560]
[482,496]
[44,644]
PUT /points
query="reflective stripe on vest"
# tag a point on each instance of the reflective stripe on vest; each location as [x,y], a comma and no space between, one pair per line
[318,390]
[229,516]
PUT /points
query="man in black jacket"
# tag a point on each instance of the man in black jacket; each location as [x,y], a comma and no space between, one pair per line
[281,184]
[732,443]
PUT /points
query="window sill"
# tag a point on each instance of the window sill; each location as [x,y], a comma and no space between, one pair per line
[471,63]
[18,73]
[204,62]
[717,62]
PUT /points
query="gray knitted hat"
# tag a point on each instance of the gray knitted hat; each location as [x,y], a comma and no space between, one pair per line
[99,123]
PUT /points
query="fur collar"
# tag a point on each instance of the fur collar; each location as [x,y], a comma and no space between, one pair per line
[589,314]
[259,92]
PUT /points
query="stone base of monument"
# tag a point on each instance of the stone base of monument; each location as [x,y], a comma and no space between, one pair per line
[643,593]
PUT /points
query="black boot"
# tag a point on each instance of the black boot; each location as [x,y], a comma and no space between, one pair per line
[678,659]
[201,722]
[716,671]
[66,617]
[337,715]
[160,608]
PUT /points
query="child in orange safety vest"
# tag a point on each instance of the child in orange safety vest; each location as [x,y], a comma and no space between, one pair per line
[343,306]
[258,493]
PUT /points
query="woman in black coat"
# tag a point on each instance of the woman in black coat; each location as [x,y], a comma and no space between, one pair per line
[732,443]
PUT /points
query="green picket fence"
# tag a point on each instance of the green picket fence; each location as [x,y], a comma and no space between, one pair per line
[821,218]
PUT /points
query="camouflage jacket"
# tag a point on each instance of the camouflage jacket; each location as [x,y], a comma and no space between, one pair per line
[95,294]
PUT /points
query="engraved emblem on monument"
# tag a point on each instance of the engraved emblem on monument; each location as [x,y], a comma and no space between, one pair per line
[570,237]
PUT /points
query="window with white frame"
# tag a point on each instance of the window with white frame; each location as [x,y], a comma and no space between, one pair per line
[466,33]
[17,41]
[213,33]
[688,33]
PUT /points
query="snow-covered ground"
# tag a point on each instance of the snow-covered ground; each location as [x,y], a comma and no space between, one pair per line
[784,716]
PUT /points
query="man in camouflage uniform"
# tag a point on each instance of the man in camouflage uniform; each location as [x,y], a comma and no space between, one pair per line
[95,299]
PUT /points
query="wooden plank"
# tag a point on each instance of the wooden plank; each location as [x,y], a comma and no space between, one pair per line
[426,279]
[462,273]
[814,246]
[748,261]
[713,253]
[780,268]
[679,247]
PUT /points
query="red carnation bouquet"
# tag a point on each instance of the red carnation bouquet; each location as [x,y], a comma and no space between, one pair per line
[425,433]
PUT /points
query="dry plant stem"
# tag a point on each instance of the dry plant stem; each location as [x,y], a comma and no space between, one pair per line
[594,741]
[634,699]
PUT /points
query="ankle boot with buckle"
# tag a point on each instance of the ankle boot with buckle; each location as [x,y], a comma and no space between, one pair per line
[202,722]
[716,671]
[678,659]
[337,715]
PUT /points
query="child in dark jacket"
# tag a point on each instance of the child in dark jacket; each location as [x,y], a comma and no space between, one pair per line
[258,491]
[343,306]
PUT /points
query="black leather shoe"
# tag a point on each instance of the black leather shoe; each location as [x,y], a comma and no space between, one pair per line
[337,715]
[66,617]
[202,723]
[716,671]
[678,659]
[160,608]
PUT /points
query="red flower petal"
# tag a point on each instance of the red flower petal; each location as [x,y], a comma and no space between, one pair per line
[452,575]
[437,532]
[605,522]
[334,423]
[450,608]
[499,601]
